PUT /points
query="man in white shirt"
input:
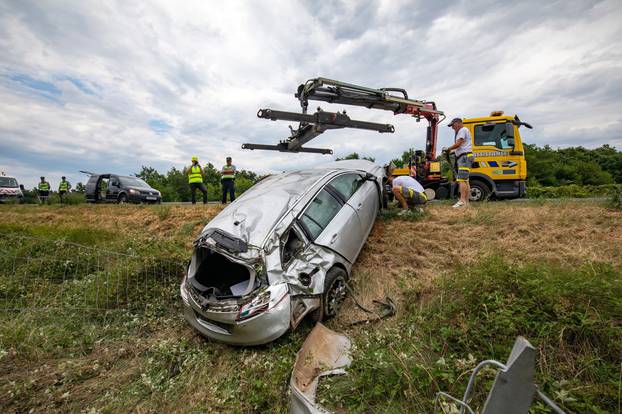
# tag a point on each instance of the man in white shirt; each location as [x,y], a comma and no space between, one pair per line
[464,160]
[407,191]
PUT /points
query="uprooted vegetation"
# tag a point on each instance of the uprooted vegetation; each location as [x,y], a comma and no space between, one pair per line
[466,283]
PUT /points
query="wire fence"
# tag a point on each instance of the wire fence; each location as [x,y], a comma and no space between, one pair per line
[44,274]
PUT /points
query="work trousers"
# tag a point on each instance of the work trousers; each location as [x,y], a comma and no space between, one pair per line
[193,190]
[228,186]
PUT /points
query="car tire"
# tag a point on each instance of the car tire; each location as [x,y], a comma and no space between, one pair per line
[479,191]
[335,293]
[122,199]
[442,193]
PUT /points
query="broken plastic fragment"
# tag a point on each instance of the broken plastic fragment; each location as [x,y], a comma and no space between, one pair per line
[324,352]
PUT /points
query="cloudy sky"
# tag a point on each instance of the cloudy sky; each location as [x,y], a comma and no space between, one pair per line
[110,86]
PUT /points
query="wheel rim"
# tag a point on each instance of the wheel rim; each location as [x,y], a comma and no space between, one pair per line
[335,296]
[476,194]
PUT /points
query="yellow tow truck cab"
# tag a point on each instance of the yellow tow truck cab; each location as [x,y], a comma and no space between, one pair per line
[500,168]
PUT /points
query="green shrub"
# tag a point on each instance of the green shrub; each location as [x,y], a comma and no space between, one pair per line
[615,201]
[573,191]
[571,315]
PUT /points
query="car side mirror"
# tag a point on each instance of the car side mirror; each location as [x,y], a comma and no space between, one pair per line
[21,187]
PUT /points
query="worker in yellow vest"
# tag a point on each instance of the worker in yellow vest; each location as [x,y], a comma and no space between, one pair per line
[63,189]
[43,190]
[195,179]
[227,180]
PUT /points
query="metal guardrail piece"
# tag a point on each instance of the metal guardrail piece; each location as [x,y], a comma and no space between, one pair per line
[513,390]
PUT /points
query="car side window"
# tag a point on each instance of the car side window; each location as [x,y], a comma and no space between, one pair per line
[319,213]
[346,185]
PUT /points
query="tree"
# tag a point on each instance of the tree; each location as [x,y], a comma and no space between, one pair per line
[79,188]
[355,156]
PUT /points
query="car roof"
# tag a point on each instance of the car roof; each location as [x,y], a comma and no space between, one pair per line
[263,205]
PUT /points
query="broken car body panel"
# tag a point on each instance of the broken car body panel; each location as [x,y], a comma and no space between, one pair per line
[288,230]
[324,352]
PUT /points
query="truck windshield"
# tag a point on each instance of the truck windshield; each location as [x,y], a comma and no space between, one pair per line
[492,135]
[8,182]
[134,182]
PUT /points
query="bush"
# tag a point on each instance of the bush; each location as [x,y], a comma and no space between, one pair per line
[570,315]
[573,191]
[615,201]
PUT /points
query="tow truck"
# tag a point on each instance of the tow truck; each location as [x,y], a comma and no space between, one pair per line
[500,169]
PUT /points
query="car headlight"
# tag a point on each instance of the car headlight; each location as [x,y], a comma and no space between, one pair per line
[132,191]
[256,306]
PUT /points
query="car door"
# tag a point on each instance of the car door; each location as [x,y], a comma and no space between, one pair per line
[361,195]
[331,223]
[113,189]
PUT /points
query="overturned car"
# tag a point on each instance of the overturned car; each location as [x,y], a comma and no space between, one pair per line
[281,251]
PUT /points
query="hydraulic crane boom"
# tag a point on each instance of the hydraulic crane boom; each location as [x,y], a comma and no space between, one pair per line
[323,89]
[332,91]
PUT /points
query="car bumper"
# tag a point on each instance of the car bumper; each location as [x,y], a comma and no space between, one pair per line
[258,330]
[138,198]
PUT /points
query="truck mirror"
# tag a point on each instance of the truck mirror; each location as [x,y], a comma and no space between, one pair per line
[509,130]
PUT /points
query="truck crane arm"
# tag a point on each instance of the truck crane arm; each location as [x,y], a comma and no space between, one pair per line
[310,126]
[332,91]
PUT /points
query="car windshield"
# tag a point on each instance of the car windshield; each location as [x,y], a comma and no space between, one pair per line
[134,182]
[8,182]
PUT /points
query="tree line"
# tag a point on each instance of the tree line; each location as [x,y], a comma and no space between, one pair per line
[173,185]
[546,167]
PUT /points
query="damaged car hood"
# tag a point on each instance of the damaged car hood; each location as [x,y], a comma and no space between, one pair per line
[255,212]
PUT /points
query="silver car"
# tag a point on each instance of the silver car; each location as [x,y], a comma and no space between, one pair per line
[281,251]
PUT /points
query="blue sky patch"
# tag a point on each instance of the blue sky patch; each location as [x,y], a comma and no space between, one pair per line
[80,85]
[44,88]
[159,126]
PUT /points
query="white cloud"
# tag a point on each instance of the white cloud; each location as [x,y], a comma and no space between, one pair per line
[205,68]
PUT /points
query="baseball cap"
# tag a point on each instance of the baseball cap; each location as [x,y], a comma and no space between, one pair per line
[454,120]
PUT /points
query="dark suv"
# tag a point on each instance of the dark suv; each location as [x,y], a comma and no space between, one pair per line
[112,188]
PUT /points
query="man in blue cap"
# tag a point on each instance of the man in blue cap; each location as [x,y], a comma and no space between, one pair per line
[464,160]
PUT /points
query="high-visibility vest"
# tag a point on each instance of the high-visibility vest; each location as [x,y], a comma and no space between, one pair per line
[44,186]
[228,172]
[195,175]
[63,186]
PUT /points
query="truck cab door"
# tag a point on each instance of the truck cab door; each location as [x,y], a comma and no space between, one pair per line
[494,147]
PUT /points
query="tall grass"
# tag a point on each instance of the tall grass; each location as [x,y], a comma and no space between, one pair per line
[572,316]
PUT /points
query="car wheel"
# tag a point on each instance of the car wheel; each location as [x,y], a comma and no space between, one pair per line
[335,293]
[479,191]
[122,199]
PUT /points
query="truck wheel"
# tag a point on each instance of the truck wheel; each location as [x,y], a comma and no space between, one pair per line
[442,193]
[122,199]
[479,191]
[335,292]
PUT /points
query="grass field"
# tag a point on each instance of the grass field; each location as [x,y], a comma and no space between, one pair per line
[466,283]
